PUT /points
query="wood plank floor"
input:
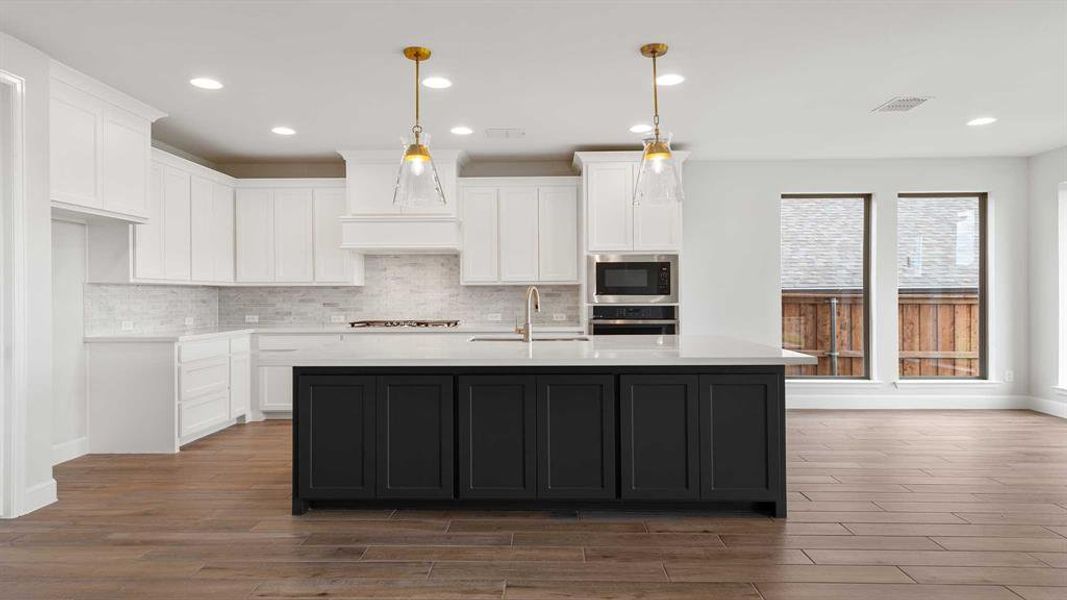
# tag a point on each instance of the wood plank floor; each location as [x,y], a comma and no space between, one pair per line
[902,505]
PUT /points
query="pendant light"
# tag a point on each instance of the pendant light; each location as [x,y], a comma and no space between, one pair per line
[659,180]
[417,185]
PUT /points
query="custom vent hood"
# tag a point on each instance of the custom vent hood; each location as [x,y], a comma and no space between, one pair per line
[374,225]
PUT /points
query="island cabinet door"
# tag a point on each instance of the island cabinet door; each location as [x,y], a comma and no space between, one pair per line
[335,428]
[740,437]
[415,441]
[576,436]
[497,431]
[660,442]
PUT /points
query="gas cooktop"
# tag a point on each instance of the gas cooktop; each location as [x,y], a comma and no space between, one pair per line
[404,323]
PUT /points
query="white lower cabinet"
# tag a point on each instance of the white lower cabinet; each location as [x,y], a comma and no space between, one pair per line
[275,385]
[519,230]
[155,395]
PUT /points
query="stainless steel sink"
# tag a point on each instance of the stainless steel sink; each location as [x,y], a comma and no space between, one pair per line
[569,338]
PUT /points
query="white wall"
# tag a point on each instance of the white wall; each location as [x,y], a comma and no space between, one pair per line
[1047,172]
[730,283]
[38,487]
[69,408]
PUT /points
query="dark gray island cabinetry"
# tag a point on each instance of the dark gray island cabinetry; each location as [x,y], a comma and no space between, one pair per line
[658,436]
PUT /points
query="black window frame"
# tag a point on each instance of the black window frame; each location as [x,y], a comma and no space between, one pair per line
[983,287]
[868,200]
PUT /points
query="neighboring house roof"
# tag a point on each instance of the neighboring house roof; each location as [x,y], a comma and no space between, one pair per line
[822,243]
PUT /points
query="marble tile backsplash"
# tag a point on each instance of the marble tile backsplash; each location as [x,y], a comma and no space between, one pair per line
[149,308]
[396,287]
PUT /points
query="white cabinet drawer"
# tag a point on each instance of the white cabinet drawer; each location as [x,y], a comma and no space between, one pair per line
[240,344]
[204,376]
[191,351]
[295,342]
[203,412]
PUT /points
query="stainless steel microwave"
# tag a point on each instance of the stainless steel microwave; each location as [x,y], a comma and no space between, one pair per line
[633,279]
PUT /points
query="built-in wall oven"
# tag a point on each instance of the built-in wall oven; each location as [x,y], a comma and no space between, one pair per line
[618,319]
[633,279]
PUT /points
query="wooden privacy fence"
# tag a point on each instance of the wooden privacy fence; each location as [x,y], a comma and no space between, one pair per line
[938,332]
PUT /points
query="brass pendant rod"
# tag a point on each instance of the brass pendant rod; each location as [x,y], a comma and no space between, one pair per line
[655,98]
[417,129]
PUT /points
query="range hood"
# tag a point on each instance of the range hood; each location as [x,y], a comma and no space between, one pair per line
[374,225]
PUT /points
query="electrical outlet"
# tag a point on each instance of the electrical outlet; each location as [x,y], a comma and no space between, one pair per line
[251,318]
[189,321]
[494,317]
[127,325]
[559,316]
[1009,376]
[337,318]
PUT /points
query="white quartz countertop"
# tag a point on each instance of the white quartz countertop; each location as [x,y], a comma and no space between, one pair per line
[204,333]
[447,351]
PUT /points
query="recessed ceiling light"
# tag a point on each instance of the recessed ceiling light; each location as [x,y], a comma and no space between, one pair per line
[437,83]
[641,128]
[669,79]
[205,83]
[462,130]
[981,121]
[282,130]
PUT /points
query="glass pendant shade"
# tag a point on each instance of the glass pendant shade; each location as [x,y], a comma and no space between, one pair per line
[417,185]
[659,180]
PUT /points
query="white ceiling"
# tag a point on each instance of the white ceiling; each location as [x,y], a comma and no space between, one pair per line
[764,79]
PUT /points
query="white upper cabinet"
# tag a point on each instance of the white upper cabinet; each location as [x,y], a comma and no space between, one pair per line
[293,258]
[557,237]
[517,208]
[519,230]
[332,263]
[610,206]
[223,233]
[100,147]
[177,226]
[254,223]
[613,223]
[289,232]
[478,210]
[148,236]
[202,244]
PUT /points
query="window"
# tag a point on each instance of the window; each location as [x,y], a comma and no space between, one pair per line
[941,275]
[825,281]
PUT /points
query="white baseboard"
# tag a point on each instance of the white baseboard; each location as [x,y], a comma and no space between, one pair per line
[70,450]
[278,414]
[1049,407]
[905,402]
[38,496]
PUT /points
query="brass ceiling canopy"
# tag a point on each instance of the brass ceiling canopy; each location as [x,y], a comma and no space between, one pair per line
[654,50]
[418,53]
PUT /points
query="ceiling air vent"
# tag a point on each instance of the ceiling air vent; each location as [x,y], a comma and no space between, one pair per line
[901,103]
[505,133]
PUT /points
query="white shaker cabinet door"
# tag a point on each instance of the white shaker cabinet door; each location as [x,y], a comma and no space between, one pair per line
[223,236]
[176,224]
[124,159]
[255,235]
[240,384]
[517,208]
[557,233]
[72,145]
[658,227]
[148,236]
[610,206]
[203,236]
[480,253]
[332,264]
[275,388]
[293,249]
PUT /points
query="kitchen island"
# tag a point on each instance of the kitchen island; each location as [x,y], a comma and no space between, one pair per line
[687,422]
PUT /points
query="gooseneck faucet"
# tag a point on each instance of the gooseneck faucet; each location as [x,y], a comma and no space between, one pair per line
[533,303]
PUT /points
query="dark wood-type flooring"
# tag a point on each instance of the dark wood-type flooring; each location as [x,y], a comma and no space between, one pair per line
[908,505]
